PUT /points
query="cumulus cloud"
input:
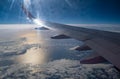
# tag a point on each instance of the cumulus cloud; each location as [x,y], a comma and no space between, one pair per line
[14,47]
[61,69]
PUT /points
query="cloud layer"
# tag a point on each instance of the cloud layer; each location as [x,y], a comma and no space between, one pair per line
[60,69]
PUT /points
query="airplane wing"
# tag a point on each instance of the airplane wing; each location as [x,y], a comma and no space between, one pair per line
[105,43]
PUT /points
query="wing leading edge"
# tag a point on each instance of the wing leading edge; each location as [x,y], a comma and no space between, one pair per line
[107,44]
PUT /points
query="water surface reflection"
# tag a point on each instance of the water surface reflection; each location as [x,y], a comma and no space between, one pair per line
[33,56]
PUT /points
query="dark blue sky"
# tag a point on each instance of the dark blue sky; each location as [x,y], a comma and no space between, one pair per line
[63,11]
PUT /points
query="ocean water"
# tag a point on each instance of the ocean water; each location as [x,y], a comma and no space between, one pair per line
[32,54]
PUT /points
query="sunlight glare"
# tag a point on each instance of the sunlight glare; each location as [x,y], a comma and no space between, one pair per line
[27,3]
[38,22]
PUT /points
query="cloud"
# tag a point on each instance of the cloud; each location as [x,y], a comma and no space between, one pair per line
[10,50]
[61,69]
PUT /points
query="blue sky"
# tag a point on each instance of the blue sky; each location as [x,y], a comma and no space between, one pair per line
[63,11]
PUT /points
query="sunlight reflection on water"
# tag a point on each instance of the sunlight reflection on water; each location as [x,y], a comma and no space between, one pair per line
[33,56]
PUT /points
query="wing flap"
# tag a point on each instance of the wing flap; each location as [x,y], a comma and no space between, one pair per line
[61,36]
[81,48]
[95,60]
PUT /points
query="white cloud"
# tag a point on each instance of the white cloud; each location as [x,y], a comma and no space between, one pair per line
[62,69]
